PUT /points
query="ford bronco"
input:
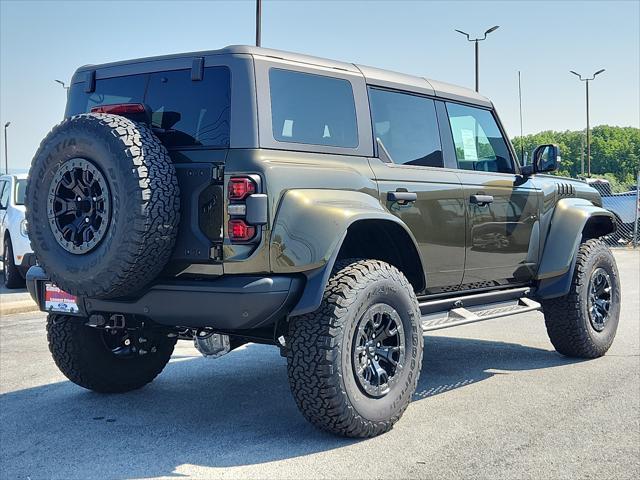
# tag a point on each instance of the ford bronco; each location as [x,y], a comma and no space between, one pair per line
[334,210]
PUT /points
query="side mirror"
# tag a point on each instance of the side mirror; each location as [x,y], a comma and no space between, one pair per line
[546,158]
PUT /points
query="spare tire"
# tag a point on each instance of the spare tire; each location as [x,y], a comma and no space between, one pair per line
[102,205]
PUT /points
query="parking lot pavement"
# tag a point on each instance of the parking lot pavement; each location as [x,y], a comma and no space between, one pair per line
[15,300]
[494,401]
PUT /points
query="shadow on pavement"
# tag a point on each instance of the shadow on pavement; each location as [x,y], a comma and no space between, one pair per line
[233,411]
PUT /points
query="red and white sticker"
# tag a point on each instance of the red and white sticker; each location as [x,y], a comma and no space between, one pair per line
[56,300]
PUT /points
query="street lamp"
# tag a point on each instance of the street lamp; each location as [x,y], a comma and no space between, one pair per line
[586,81]
[62,83]
[476,40]
[6,157]
[258,22]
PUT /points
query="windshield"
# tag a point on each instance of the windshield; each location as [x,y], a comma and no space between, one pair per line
[21,186]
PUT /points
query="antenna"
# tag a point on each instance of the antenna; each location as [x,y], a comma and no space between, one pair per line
[521,131]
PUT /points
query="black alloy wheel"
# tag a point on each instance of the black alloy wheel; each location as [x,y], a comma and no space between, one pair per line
[378,350]
[600,286]
[79,206]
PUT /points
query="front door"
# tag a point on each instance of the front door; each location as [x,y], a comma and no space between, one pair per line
[4,202]
[502,206]
[406,127]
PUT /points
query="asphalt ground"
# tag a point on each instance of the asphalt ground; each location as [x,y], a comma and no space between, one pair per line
[494,401]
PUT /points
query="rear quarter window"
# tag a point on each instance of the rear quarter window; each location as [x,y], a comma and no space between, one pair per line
[312,109]
[184,113]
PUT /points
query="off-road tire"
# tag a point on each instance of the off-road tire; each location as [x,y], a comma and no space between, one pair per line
[12,276]
[567,317]
[144,203]
[82,356]
[320,371]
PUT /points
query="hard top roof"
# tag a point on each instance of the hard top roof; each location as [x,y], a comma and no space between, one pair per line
[371,74]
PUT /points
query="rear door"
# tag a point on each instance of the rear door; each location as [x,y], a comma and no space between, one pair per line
[501,205]
[406,127]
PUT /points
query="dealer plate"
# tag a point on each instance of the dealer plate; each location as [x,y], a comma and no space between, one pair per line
[56,300]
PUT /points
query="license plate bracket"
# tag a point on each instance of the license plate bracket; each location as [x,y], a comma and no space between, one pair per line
[59,301]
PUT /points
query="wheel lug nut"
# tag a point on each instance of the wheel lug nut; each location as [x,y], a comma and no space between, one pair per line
[86,220]
[127,342]
[378,344]
[375,357]
[79,199]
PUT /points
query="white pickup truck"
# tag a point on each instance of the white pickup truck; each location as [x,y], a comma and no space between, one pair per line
[17,255]
[623,205]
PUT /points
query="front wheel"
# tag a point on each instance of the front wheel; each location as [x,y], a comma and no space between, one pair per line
[354,363]
[107,361]
[583,323]
[12,277]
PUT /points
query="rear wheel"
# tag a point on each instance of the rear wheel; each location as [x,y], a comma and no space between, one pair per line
[12,277]
[354,363]
[107,360]
[583,323]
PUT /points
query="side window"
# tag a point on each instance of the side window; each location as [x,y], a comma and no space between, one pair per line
[478,142]
[407,127]
[312,109]
[4,194]
[21,187]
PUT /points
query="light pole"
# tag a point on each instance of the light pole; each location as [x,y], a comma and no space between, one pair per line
[6,156]
[64,85]
[476,40]
[258,21]
[586,81]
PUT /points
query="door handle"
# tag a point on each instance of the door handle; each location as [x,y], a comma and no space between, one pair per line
[481,200]
[402,197]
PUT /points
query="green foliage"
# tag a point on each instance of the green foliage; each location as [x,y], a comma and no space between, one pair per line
[615,152]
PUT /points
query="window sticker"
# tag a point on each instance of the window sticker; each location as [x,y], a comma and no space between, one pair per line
[469,144]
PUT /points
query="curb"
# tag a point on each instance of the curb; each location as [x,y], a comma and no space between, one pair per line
[12,308]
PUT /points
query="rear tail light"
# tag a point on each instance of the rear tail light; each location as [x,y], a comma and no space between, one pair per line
[240,188]
[239,231]
[119,108]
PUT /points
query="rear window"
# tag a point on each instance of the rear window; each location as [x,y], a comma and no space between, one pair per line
[312,109]
[183,112]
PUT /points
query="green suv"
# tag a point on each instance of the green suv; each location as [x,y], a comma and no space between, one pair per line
[334,210]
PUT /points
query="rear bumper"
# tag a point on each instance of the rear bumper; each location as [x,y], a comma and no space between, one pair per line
[232,302]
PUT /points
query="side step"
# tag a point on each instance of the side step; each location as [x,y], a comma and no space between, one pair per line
[475,308]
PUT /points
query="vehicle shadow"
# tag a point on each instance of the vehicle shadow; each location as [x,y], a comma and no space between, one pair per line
[233,411]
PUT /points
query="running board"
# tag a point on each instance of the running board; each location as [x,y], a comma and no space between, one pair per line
[473,309]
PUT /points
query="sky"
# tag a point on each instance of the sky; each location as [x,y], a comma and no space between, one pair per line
[47,40]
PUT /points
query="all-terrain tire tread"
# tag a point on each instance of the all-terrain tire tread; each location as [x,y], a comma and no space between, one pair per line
[65,337]
[314,347]
[154,227]
[564,315]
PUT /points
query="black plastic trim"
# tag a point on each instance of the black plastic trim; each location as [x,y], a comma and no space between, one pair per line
[197,69]
[230,302]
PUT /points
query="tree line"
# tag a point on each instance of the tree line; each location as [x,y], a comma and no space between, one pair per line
[615,152]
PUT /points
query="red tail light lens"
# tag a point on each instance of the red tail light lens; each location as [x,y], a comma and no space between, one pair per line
[239,231]
[119,108]
[240,188]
